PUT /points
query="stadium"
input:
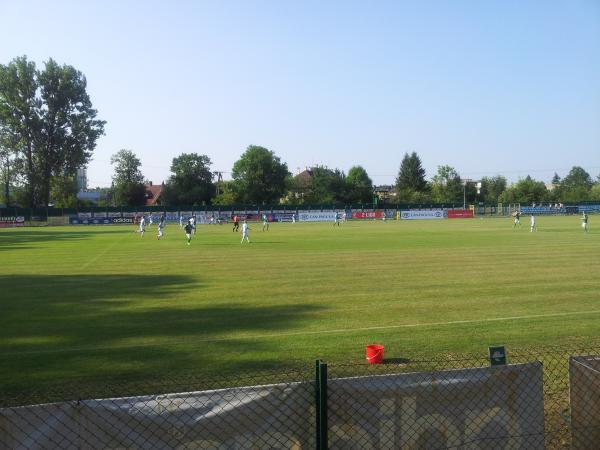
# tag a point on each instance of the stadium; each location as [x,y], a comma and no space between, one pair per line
[299,225]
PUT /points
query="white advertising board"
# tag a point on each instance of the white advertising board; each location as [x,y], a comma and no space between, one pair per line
[416,214]
[317,216]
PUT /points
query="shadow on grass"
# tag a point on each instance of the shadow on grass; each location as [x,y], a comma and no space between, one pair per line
[100,326]
[26,239]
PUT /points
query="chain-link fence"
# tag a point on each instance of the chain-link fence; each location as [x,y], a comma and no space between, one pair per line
[541,399]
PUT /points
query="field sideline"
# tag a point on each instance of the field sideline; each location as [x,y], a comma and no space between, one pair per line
[98,301]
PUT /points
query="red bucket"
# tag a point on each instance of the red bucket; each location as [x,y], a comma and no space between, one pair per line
[375,353]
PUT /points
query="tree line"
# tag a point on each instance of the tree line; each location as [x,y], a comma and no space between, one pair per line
[49,129]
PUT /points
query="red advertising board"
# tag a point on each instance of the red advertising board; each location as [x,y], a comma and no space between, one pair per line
[460,214]
[368,214]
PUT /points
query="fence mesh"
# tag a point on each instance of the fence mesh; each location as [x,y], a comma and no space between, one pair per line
[542,399]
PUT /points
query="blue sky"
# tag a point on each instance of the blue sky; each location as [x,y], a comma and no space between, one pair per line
[488,87]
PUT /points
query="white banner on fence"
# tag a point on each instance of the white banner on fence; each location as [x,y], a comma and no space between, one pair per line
[584,394]
[317,216]
[499,407]
[273,416]
[422,214]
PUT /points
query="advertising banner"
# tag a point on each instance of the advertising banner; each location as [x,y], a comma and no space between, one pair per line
[494,407]
[100,214]
[114,214]
[93,221]
[317,216]
[499,407]
[259,417]
[128,214]
[84,215]
[460,214]
[12,221]
[283,217]
[122,220]
[378,214]
[416,214]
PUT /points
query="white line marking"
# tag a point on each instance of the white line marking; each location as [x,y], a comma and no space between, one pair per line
[301,333]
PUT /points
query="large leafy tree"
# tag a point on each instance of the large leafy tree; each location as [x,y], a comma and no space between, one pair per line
[446,186]
[411,176]
[360,186]
[492,188]
[320,185]
[50,118]
[128,181]
[191,182]
[259,176]
[574,187]
[577,177]
[526,190]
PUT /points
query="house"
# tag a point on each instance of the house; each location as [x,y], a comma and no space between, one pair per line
[153,192]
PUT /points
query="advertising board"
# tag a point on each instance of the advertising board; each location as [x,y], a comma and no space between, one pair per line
[426,214]
[91,221]
[460,214]
[378,214]
[317,216]
[12,221]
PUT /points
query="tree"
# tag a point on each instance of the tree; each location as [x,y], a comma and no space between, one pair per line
[526,191]
[321,185]
[411,176]
[191,182]
[577,177]
[51,119]
[595,192]
[226,195]
[360,186]
[259,176]
[492,188]
[63,191]
[128,181]
[447,186]
[555,179]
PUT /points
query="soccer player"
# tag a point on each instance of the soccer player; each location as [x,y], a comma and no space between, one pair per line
[336,220]
[584,222]
[189,229]
[265,222]
[142,226]
[236,223]
[245,229]
[517,219]
[180,220]
[161,227]
[192,222]
[293,217]
[533,225]
[344,217]
[150,219]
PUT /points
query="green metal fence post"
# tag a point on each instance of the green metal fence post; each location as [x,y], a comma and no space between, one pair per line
[322,438]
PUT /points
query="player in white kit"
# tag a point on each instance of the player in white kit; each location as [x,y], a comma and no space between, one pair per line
[245,229]
[142,226]
[161,227]
[533,225]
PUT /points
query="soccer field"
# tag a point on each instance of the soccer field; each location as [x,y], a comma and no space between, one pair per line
[98,301]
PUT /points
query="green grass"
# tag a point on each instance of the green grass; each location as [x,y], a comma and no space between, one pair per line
[101,301]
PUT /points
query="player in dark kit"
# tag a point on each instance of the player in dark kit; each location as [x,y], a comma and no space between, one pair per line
[236,224]
[189,229]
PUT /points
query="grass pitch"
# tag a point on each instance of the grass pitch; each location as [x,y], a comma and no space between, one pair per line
[95,301]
